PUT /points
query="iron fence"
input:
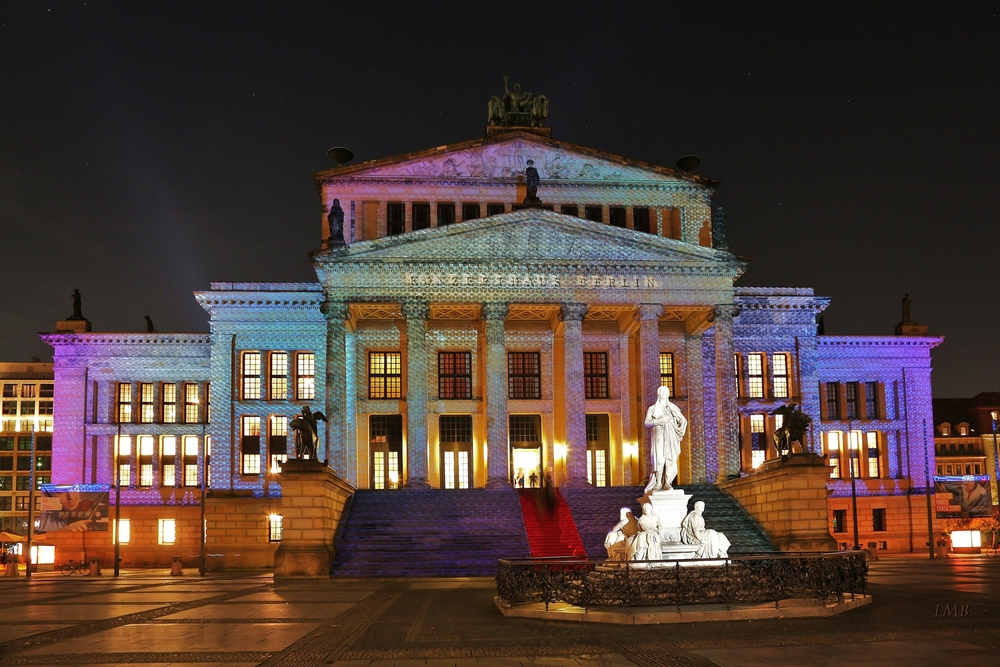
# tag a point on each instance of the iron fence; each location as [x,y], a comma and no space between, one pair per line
[747,578]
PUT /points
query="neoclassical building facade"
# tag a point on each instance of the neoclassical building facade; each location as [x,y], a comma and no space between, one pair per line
[456,339]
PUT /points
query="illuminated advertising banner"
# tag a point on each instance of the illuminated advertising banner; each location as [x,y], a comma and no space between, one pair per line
[962,497]
[80,508]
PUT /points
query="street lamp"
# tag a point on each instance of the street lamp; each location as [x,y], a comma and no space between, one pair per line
[995,415]
[854,457]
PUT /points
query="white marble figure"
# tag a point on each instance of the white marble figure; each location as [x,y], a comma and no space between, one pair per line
[710,543]
[619,539]
[669,426]
[646,545]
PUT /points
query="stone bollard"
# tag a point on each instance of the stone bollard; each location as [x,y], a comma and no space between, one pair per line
[12,568]
[175,567]
[95,567]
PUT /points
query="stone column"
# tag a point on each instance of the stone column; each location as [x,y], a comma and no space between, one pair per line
[416,314]
[572,315]
[648,316]
[336,313]
[725,393]
[497,465]
[696,407]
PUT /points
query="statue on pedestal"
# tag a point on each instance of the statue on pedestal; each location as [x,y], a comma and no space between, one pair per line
[532,181]
[77,306]
[336,220]
[646,545]
[793,427]
[619,539]
[669,426]
[306,429]
[710,543]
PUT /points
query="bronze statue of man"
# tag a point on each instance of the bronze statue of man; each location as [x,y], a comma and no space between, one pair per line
[306,429]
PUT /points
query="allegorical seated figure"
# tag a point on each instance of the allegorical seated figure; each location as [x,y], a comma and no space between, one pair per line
[710,543]
[646,545]
[619,538]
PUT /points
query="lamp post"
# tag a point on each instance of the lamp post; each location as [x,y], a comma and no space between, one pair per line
[204,487]
[854,453]
[118,499]
[31,503]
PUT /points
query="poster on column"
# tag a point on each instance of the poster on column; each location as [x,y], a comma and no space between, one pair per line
[77,507]
[962,497]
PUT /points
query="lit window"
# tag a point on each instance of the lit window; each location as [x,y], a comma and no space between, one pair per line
[667,371]
[145,460]
[385,377]
[169,403]
[190,460]
[191,399]
[595,374]
[125,531]
[854,443]
[277,442]
[779,375]
[125,403]
[168,454]
[871,439]
[251,376]
[208,460]
[27,391]
[10,391]
[305,387]
[250,445]
[146,406]
[840,521]
[124,454]
[524,375]
[278,389]
[167,533]
[454,375]
[46,390]
[834,443]
[755,375]
[274,527]
[736,374]
[758,441]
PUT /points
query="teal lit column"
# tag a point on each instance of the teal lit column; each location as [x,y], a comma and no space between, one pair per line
[336,313]
[416,313]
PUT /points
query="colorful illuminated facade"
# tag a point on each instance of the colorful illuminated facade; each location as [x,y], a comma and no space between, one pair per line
[455,339]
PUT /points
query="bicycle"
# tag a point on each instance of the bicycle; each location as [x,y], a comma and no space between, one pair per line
[992,550]
[73,567]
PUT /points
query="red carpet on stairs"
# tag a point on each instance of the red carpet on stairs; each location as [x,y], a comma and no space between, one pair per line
[549,524]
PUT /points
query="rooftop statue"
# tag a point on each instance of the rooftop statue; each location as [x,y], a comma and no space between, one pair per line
[532,181]
[77,306]
[515,108]
[150,327]
[336,220]
[907,319]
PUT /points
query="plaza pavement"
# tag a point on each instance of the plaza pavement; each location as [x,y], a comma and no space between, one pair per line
[146,617]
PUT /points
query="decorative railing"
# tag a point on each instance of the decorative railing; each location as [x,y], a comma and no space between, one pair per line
[766,577]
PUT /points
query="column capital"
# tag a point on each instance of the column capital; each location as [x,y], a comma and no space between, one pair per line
[648,311]
[335,310]
[496,310]
[416,310]
[724,312]
[572,312]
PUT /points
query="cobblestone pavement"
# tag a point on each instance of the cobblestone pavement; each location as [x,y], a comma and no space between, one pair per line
[925,613]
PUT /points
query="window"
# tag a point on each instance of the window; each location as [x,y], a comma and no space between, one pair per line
[45,407]
[168,454]
[871,400]
[570,210]
[27,408]
[40,480]
[834,442]
[640,220]
[940,470]
[6,462]
[833,400]
[10,391]
[755,375]
[46,391]
[854,443]
[4,503]
[736,374]
[524,376]
[421,216]
[24,463]
[758,442]
[305,377]
[169,401]
[597,449]
[250,445]
[191,399]
[251,376]
[21,504]
[948,470]
[878,519]
[146,405]
[871,440]
[43,463]
[7,443]
[840,521]
[616,216]
[145,452]
[395,218]
[779,375]
[190,460]
[125,454]
[446,214]
[851,394]
[167,533]
[274,528]
[208,460]
[978,471]
[27,391]
[208,402]
[278,376]
[667,371]
[277,442]
[6,482]
[125,403]
[494,209]
[595,374]
[470,211]
[10,407]
[454,375]
[594,213]
[124,530]
[23,483]
[24,443]
[385,378]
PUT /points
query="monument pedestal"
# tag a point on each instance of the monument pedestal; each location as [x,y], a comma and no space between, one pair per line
[312,503]
[671,506]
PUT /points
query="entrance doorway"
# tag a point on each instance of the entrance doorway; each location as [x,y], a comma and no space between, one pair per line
[598,444]
[385,444]
[455,447]
[525,451]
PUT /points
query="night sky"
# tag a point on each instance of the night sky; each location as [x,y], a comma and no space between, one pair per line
[149,148]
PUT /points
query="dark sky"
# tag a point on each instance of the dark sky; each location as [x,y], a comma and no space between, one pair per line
[148,148]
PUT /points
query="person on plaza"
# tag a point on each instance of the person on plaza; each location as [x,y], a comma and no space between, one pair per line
[533,479]
[519,478]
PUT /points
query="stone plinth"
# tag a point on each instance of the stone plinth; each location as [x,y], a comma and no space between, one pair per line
[789,499]
[671,506]
[312,503]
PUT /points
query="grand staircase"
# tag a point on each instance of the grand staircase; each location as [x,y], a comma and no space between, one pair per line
[549,524]
[429,533]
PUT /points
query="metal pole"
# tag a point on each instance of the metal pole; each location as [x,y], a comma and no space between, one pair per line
[854,493]
[927,492]
[31,502]
[204,487]
[118,499]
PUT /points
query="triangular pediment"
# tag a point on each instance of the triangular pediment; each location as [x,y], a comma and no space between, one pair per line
[531,236]
[506,156]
